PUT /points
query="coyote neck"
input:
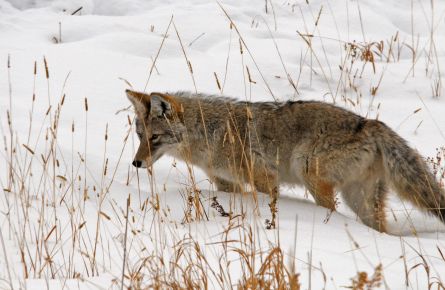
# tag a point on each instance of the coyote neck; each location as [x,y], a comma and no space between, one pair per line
[202,117]
[207,122]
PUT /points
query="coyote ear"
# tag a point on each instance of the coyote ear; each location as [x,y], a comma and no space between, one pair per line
[160,106]
[140,101]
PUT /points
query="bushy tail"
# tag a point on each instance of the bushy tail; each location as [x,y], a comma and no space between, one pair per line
[408,172]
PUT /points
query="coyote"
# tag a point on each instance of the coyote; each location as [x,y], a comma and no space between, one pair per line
[315,144]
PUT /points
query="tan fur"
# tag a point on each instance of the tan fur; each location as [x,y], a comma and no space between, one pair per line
[315,144]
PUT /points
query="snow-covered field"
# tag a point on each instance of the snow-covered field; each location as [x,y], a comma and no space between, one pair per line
[64,219]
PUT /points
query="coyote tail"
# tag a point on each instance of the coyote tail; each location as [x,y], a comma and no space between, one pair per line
[408,172]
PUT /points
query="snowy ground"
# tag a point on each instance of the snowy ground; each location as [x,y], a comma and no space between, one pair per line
[62,219]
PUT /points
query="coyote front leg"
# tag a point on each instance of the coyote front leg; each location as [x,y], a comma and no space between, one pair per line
[225,185]
[266,181]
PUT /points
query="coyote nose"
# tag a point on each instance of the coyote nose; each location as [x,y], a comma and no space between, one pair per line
[137,163]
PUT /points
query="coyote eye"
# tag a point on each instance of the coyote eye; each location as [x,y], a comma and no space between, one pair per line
[154,137]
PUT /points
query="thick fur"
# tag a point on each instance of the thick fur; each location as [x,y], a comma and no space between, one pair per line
[315,144]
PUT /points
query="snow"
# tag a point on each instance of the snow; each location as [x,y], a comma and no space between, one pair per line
[109,43]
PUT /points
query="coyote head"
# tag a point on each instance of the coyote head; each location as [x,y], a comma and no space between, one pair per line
[159,125]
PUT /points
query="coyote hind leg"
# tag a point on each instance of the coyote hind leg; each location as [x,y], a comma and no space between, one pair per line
[324,196]
[322,191]
[368,202]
